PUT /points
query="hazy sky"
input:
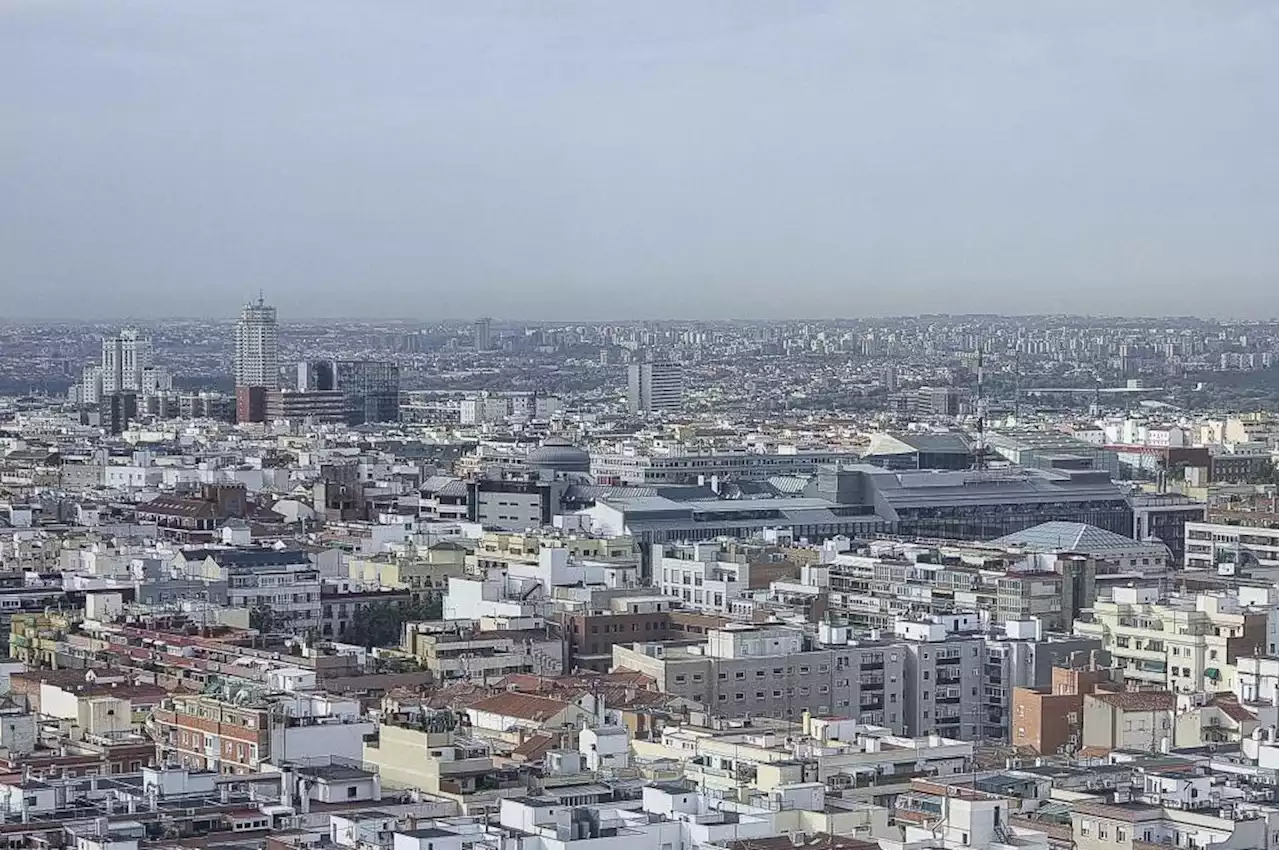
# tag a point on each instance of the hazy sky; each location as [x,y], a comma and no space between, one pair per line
[637,159]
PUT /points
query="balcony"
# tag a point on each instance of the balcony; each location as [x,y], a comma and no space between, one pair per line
[1131,626]
[875,780]
[1138,654]
[1155,677]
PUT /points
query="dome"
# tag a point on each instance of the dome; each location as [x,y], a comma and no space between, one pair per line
[560,455]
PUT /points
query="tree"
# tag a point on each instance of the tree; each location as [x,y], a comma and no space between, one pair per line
[266,619]
[382,623]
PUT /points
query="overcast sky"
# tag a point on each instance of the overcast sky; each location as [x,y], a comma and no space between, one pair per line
[594,160]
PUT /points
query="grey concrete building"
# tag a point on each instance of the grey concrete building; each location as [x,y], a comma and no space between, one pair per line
[943,668]
[777,671]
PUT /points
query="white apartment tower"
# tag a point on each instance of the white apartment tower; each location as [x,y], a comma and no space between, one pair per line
[653,387]
[256,358]
[90,388]
[125,358]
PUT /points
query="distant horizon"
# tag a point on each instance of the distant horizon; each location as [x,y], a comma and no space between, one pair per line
[285,319]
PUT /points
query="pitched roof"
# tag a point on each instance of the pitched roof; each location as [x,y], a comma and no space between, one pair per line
[1231,707]
[1067,536]
[1137,700]
[534,748]
[248,557]
[179,506]
[522,706]
[900,442]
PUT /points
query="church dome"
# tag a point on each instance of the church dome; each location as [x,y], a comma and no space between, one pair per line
[559,455]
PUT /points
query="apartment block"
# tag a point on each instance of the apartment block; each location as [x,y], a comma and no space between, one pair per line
[777,671]
[240,733]
[709,576]
[1209,544]
[591,635]
[1183,643]
[943,657]
[1050,720]
[282,581]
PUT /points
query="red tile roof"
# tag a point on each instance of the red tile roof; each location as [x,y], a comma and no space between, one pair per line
[1137,700]
[522,706]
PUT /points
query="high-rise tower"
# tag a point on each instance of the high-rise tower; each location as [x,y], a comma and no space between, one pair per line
[256,359]
[654,387]
[125,357]
[482,335]
[257,366]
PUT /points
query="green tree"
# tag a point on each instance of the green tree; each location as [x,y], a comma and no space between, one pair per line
[267,620]
[381,624]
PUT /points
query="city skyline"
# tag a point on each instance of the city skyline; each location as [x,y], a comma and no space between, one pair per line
[728,425]
[852,160]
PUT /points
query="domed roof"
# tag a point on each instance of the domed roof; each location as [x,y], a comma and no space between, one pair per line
[557,453]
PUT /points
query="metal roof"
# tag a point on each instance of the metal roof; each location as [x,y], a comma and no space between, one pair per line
[1068,536]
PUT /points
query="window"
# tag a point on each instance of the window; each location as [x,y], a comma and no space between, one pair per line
[1086,827]
[351,792]
[926,675]
[1119,835]
[739,696]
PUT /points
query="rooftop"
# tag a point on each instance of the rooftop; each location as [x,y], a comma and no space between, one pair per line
[523,706]
[1068,536]
[1137,700]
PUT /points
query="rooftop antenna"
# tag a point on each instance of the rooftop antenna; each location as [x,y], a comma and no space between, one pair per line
[980,455]
[1017,383]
